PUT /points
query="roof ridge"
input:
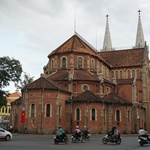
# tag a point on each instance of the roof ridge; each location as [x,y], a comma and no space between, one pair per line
[87,43]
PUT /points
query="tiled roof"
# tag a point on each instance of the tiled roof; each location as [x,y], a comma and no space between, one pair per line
[123,58]
[108,81]
[87,96]
[84,75]
[17,101]
[14,94]
[112,98]
[60,75]
[75,44]
[116,99]
[78,75]
[125,81]
[41,83]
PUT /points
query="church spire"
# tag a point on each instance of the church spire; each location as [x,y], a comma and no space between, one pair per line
[140,36]
[107,46]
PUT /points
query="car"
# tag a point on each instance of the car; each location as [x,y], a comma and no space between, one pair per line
[4,134]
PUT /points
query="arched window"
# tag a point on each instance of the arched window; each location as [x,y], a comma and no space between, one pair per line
[133,73]
[92,64]
[52,64]
[79,63]
[32,110]
[116,74]
[128,115]
[118,115]
[3,109]
[78,114]
[128,74]
[48,110]
[9,110]
[6,110]
[93,114]
[63,63]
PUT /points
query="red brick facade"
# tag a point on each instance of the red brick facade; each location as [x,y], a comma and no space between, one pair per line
[82,86]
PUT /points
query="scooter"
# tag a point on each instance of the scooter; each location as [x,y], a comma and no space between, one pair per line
[59,139]
[76,138]
[86,135]
[143,140]
[107,138]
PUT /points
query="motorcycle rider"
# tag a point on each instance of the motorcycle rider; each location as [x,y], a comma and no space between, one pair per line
[143,133]
[60,133]
[113,133]
[116,133]
[77,132]
[85,131]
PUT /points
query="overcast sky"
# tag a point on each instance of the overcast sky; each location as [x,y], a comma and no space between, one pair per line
[31,29]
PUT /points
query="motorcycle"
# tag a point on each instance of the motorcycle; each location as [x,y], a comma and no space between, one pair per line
[76,138]
[143,140]
[86,135]
[58,139]
[107,138]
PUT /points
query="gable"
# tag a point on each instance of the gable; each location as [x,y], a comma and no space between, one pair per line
[87,96]
[75,44]
[42,83]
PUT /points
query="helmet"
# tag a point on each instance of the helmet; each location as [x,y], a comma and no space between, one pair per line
[77,127]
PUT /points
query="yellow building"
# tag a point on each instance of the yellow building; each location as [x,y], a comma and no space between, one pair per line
[5,110]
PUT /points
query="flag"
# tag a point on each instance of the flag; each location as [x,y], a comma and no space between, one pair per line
[22,117]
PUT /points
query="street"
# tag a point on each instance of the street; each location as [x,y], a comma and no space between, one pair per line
[45,142]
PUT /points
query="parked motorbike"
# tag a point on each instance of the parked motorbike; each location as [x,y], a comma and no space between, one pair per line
[107,138]
[76,138]
[62,139]
[86,135]
[143,140]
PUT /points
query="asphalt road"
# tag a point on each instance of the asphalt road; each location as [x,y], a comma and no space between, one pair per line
[45,142]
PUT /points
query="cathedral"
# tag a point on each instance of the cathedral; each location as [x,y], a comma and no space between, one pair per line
[81,86]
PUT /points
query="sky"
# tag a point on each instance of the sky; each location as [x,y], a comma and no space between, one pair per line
[31,29]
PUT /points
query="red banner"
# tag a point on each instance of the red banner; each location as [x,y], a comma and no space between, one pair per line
[22,117]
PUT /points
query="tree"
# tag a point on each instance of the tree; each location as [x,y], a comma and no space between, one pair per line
[24,81]
[3,100]
[10,70]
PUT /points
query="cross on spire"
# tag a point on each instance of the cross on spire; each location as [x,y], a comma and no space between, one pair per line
[107,16]
[139,11]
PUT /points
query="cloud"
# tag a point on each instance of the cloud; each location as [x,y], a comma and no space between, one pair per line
[31,29]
